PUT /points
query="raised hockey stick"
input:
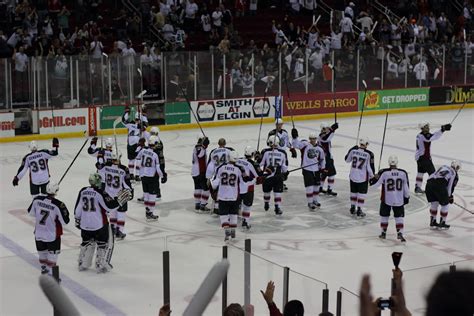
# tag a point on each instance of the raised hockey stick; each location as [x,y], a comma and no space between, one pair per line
[72,162]
[269,82]
[139,109]
[57,296]
[116,122]
[383,137]
[463,208]
[362,111]
[288,96]
[459,111]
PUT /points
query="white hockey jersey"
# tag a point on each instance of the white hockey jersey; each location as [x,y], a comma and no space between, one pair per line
[199,160]
[362,164]
[423,144]
[37,162]
[149,163]
[274,159]
[284,138]
[228,181]
[449,175]
[51,214]
[249,172]
[395,186]
[116,178]
[91,208]
[133,130]
[312,156]
[103,155]
[217,157]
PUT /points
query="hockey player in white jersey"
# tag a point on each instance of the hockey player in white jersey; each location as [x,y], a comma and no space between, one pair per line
[134,134]
[116,178]
[362,170]
[313,162]
[217,157]
[285,142]
[151,173]
[439,192]
[198,172]
[103,155]
[251,173]
[275,164]
[394,196]
[91,216]
[228,181]
[37,162]
[423,152]
[325,141]
[50,216]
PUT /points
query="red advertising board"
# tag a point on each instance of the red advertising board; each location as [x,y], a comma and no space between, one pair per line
[319,103]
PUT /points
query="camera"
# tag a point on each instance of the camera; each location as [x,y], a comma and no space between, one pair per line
[384,303]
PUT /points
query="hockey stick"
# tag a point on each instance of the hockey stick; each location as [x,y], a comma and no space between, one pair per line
[50,98]
[463,208]
[139,109]
[116,122]
[72,162]
[296,169]
[57,297]
[189,105]
[269,81]
[288,96]
[383,138]
[459,111]
[362,111]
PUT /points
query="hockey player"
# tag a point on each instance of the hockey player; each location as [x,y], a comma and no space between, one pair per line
[103,155]
[275,164]
[313,162]
[251,172]
[151,173]
[228,181]
[37,162]
[439,191]
[325,141]
[284,142]
[198,172]
[116,178]
[423,152]
[90,213]
[362,170]
[134,135]
[51,215]
[394,196]
[217,157]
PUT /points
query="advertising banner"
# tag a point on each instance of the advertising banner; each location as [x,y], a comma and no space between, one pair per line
[177,113]
[7,124]
[451,95]
[394,99]
[319,103]
[64,121]
[92,121]
[233,109]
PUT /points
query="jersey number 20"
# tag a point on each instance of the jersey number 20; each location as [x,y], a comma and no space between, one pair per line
[394,185]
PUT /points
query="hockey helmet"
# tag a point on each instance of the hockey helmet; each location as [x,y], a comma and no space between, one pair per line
[278,121]
[154,130]
[423,125]
[95,180]
[393,161]
[273,140]
[249,151]
[115,156]
[233,156]
[456,165]
[324,125]
[153,141]
[33,146]
[109,143]
[52,188]
[364,141]
[313,135]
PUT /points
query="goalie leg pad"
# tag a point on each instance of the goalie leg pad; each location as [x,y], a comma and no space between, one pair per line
[101,258]
[85,255]
[110,247]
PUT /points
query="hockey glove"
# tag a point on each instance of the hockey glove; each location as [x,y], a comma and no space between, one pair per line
[294,133]
[260,179]
[451,199]
[205,142]
[334,126]
[406,200]
[15,181]
[285,175]
[446,127]
[293,153]
[258,156]
[124,196]
[94,141]
[164,178]
[78,223]
[55,142]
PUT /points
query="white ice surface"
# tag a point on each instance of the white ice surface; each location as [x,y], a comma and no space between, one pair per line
[327,245]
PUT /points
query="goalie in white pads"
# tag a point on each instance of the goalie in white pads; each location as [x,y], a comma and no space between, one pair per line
[228,181]
[362,170]
[394,196]
[439,191]
[103,155]
[198,172]
[37,162]
[116,178]
[275,164]
[50,216]
[90,212]
[151,173]
[313,162]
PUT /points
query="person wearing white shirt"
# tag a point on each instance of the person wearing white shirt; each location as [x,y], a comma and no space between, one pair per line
[190,10]
[21,74]
[206,22]
[316,60]
[365,21]
[313,36]
[421,72]
[349,11]
[217,18]
[346,28]
[96,48]
[168,31]
[336,39]
[129,53]
[164,8]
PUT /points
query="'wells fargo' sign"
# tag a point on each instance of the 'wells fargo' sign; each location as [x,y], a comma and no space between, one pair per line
[319,103]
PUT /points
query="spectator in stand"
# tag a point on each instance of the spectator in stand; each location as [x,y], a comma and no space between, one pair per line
[227,18]
[234,310]
[349,10]
[236,41]
[129,54]
[165,7]
[206,21]
[292,308]
[347,29]
[168,31]
[133,26]
[421,72]
[158,18]
[217,19]
[365,21]
[21,74]
[96,49]
[247,83]
[240,8]
[253,7]
[63,19]
[191,10]
[224,46]
[120,23]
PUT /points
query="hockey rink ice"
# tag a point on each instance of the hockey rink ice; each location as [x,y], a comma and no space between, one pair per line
[327,245]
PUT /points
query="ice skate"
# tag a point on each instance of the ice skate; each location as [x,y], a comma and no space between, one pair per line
[418,190]
[433,223]
[150,216]
[311,207]
[360,213]
[119,235]
[245,226]
[266,206]
[330,192]
[383,235]
[400,237]
[442,225]
[352,210]
[278,210]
